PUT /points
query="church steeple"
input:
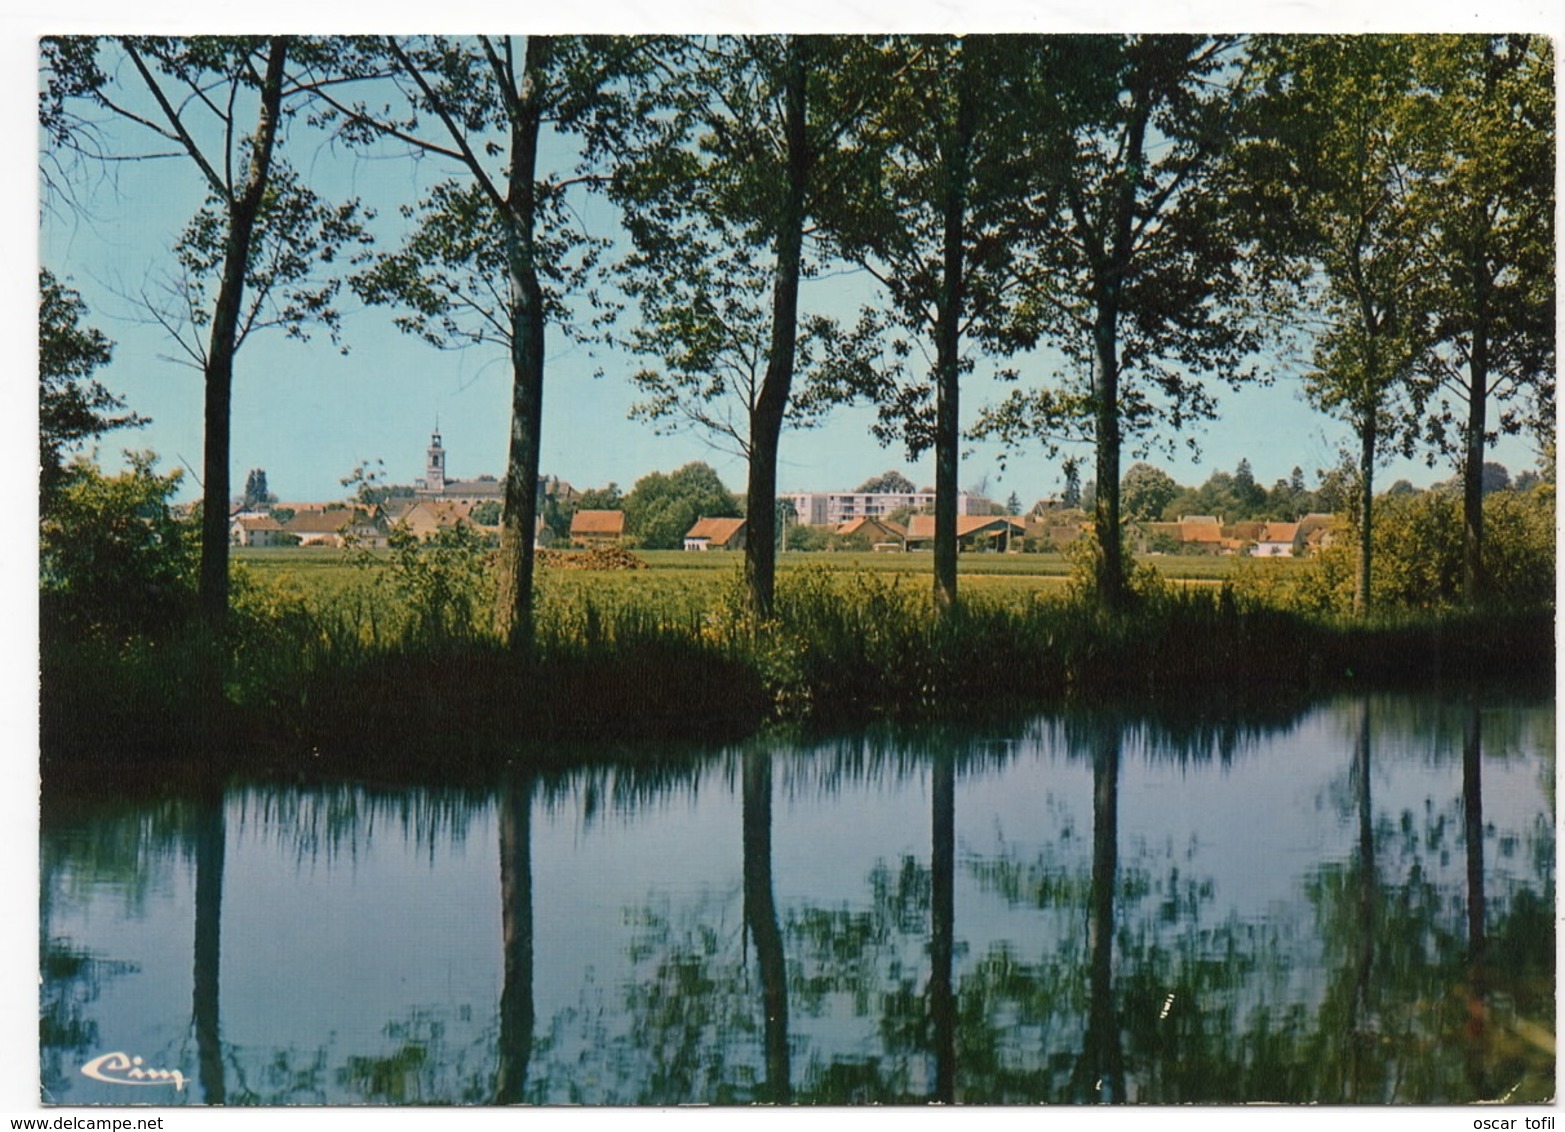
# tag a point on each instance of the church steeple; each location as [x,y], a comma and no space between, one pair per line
[435,463]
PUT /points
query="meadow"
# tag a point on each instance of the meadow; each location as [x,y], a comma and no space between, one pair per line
[686,581]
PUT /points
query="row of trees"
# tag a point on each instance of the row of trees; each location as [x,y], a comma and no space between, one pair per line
[1152,207]
[1148,493]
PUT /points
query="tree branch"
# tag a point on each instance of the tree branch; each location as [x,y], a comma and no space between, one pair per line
[178,126]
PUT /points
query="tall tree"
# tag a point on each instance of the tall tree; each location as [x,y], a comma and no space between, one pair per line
[1334,161]
[890,480]
[661,508]
[220,103]
[1485,124]
[1137,279]
[720,188]
[934,222]
[494,253]
[1145,492]
[73,406]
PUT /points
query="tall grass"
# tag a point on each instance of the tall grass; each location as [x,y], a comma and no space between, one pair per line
[399,675]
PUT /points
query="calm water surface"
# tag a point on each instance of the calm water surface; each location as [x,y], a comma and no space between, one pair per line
[1354,904]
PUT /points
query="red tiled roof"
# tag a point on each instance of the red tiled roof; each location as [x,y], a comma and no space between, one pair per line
[598,523]
[432,514]
[921,527]
[715,530]
[876,526]
[1200,532]
[324,522]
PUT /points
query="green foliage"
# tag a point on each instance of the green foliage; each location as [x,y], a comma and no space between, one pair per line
[945,164]
[1145,492]
[890,480]
[1143,583]
[289,279]
[662,507]
[1519,553]
[367,484]
[1486,199]
[73,407]
[113,559]
[601,499]
[1418,557]
[805,538]
[256,493]
[444,583]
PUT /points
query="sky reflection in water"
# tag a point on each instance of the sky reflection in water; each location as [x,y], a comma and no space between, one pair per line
[1080,909]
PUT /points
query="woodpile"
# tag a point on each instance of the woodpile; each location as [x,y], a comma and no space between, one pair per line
[598,558]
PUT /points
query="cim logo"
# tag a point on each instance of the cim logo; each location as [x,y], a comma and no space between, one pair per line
[121,1069]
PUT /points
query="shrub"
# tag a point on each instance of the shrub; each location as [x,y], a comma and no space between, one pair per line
[444,581]
[1418,557]
[114,560]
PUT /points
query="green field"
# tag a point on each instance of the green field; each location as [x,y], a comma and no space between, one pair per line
[683,583]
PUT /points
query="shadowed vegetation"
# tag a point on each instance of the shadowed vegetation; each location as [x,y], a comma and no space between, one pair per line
[376,669]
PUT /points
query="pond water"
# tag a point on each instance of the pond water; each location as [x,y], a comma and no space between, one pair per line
[1350,904]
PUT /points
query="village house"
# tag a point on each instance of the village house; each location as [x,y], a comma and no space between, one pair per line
[258,530]
[435,503]
[336,526]
[1275,540]
[426,516]
[330,525]
[597,528]
[1317,531]
[1005,530]
[715,534]
[1053,528]
[878,534]
[1201,533]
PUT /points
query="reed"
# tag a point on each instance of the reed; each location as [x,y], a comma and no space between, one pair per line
[368,680]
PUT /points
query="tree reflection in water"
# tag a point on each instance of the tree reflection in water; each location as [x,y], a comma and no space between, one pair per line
[1129,991]
[1054,968]
[516,923]
[760,916]
[211,842]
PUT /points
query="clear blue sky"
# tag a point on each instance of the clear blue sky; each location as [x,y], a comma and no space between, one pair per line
[308,415]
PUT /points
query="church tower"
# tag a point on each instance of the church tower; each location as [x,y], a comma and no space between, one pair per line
[435,465]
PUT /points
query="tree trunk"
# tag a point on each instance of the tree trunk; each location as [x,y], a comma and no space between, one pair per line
[1368,429]
[243,213]
[1109,562]
[766,419]
[1113,593]
[948,341]
[1472,471]
[514,614]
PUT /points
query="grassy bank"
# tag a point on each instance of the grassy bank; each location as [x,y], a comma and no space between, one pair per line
[360,677]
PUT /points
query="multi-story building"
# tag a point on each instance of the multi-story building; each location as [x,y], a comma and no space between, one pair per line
[832,508]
